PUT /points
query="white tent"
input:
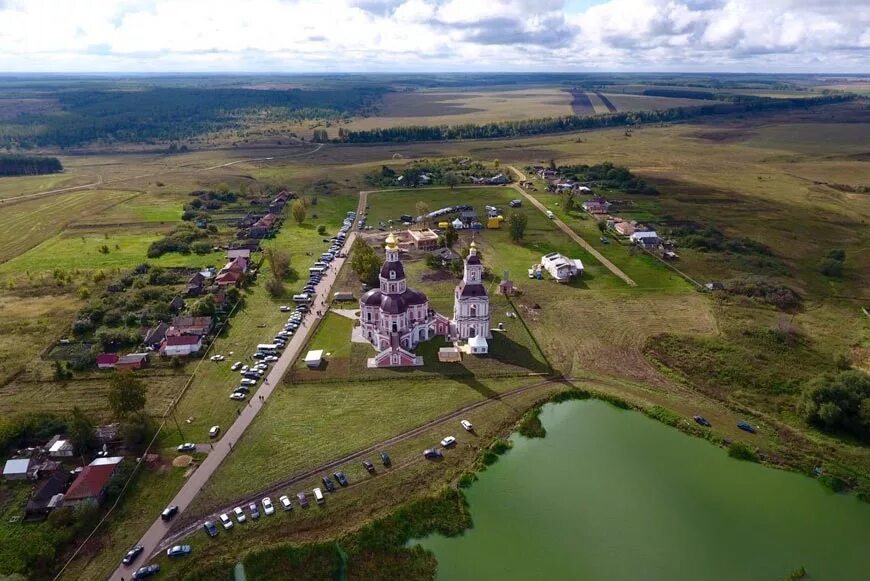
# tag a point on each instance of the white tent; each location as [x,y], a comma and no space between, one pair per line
[314,358]
[457,223]
[478,345]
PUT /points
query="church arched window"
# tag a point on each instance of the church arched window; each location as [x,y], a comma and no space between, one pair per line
[472,310]
[392,275]
[472,332]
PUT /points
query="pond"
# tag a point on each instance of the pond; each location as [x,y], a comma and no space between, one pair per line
[612,494]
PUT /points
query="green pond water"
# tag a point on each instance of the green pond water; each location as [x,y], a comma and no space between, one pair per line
[612,494]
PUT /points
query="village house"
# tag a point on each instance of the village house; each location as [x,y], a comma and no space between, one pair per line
[176,304]
[155,335]
[181,345]
[229,278]
[263,227]
[234,253]
[132,361]
[596,206]
[195,285]
[17,469]
[624,228]
[424,240]
[190,326]
[648,239]
[496,180]
[562,269]
[92,482]
[59,447]
[106,360]
[48,496]
[278,202]
[249,220]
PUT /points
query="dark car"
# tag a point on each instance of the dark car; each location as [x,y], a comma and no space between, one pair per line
[169,512]
[146,571]
[385,459]
[370,468]
[746,427]
[341,478]
[210,529]
[259,355]
[327,483]
[132,554]
[302,309]
[432,453]
[702,421]
[303,500]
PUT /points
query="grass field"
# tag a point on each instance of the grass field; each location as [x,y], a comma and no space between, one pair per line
[11,187]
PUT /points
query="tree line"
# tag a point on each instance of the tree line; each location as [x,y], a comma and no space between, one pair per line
[525,127]
[27,165]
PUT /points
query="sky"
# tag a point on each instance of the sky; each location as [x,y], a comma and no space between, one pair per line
[287,36]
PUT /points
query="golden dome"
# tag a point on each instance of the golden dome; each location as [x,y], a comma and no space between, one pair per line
[391,243]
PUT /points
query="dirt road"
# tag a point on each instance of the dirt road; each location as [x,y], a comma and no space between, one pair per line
[571,234]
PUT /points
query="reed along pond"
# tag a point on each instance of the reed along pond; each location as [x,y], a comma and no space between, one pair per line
[612,494]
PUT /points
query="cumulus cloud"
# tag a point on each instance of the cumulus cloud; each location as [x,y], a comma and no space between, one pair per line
[428,35]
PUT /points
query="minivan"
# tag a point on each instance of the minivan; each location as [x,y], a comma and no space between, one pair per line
[303,298]
[318,496]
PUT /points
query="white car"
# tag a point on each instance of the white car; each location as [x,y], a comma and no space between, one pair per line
[226,521]
[240,514]
[237,395]
[217,357]
[448,441]
[236,366]
[248,382]
[244,369]
[467,425]
[214,431]
[187,447]
[270,358]
[284,308]
[285,502]
[267,506]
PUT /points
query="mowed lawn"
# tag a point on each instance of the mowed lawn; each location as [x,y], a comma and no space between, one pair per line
[304,425]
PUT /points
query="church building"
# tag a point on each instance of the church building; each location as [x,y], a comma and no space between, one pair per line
[471,316]
[395,318]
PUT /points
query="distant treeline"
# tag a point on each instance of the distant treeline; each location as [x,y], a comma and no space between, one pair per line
[25,165]
[679,93]
[525,127]
[161,114]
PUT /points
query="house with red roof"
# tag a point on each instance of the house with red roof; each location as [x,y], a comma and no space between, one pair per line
[107,360]
[181,345]
[92,482]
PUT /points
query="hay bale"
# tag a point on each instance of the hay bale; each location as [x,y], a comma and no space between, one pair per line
[182,461]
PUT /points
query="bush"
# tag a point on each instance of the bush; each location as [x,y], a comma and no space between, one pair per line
[742,451]
[321,229]
[839,403]
[765,291]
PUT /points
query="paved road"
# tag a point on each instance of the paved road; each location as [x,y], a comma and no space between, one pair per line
[325,468]
[222,448]
[573,235]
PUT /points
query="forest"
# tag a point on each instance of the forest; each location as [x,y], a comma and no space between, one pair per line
[160,114]
[25,165]
[735,105]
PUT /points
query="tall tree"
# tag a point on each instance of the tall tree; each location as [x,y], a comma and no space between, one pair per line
[450,236]
[517,225]
[422,208]
[137,431]
[451,179]
[279,262]
[126,394]
[299,211]
[365,263]
[81,431]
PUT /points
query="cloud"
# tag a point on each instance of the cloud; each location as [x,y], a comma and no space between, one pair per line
[429,35]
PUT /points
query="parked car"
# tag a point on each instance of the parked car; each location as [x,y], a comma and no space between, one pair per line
[242,389]
[370,468]
[285,502]
[702,421]
[270,358]
[466,425]
[341,478]
[236,366]
[746,427]
[217,357]
[268,507]
[259,355]
[210,529]
[244,369]
[432,453]
[284,308]
[255,512]
[169,512]
[178,551]
[226,521]
[146,571]
[303,500]
[448,441]
[327,484]
[240,514]
[250,382]
[132,554]
[385,459]
[214,431]
[187,447]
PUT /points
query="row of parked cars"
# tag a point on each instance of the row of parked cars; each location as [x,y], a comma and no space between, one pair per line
[435,453]
[239,515]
